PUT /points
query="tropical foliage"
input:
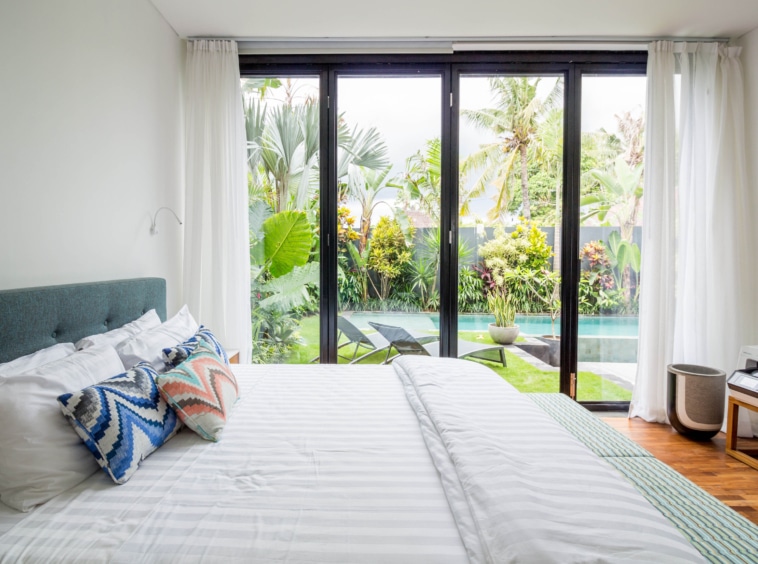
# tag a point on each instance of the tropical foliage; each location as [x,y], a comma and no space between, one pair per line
[388,236]
[502,308]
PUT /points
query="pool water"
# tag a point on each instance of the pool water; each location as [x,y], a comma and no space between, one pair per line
[535,325]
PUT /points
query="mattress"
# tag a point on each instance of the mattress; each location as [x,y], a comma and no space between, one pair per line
[430,460]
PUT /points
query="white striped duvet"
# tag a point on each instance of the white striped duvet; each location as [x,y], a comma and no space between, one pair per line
[329,464]
[317,463]
[521,488]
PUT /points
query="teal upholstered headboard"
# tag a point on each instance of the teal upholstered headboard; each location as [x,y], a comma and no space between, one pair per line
[35,318]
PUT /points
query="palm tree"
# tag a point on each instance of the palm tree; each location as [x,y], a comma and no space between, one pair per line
[283,148]
[421,182]
[548,152]
[515,121]
[363,185]
[359,147]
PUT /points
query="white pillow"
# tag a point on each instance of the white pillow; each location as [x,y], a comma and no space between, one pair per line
[116,336]
[42,456]
[30,361]
[148,346]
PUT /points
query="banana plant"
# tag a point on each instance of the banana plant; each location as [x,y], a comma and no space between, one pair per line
[625,258]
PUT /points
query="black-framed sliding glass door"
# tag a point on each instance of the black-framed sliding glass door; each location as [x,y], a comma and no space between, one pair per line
[442,189]
[389,177]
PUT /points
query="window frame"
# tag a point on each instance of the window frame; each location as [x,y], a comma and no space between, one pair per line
[572,65]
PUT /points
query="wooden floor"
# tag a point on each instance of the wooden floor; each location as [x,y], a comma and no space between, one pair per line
[704,463]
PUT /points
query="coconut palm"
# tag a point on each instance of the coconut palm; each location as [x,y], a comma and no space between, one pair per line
[547,151]
[514,121]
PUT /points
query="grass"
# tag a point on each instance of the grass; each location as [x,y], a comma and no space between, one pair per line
[522,375]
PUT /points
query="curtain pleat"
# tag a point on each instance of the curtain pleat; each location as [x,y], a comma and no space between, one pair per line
[216,253]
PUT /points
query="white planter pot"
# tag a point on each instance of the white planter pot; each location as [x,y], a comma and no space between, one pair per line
[503,335]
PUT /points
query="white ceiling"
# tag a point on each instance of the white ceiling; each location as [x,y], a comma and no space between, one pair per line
[466,19]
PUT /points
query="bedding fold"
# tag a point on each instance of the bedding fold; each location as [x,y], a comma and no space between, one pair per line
[520,487]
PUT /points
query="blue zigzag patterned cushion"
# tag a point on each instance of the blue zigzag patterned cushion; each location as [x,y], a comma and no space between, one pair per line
[121,420]
[174,356]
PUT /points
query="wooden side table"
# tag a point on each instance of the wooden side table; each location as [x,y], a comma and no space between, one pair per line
[733,410]
[234,356]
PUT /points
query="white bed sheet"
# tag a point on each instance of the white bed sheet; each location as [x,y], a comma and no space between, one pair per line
[8,518]
[318,463]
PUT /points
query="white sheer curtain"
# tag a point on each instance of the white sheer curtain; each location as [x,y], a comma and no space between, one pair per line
[697,239]
[657,305]
[216,253]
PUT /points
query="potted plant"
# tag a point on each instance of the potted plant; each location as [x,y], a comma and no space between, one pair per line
[504,331]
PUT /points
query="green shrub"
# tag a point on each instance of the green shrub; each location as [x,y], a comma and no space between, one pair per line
[389,253]
[525,249]
[471,295]
[518,262]
[274,335]
[598,289]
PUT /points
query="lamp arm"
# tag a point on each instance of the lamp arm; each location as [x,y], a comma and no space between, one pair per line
[153,227]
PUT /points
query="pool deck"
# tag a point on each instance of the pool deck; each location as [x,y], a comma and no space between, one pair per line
[621,373]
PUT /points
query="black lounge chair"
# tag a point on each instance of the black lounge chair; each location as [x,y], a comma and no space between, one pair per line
[405,343]
[374,342]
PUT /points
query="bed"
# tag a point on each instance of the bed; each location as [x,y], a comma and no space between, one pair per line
[426,460]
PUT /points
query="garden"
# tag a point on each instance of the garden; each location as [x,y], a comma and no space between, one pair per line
[388,239]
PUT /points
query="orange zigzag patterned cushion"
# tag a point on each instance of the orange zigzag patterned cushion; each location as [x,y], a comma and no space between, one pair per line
[202,390]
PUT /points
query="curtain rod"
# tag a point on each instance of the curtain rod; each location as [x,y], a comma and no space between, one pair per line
[447,44]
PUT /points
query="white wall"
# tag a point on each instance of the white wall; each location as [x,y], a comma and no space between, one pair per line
[90,143]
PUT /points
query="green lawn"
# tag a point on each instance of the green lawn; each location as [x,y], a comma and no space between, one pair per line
[522,375]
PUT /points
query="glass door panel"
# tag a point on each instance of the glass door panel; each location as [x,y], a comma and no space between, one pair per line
[388,169]
[510,193]
[611,200]
[282,125]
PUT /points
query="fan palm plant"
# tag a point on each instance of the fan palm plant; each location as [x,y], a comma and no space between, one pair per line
[363,185]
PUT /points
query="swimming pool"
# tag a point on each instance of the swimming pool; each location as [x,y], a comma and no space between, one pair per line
[589,325]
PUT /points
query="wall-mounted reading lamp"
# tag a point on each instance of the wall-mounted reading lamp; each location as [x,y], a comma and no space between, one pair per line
[154,228]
